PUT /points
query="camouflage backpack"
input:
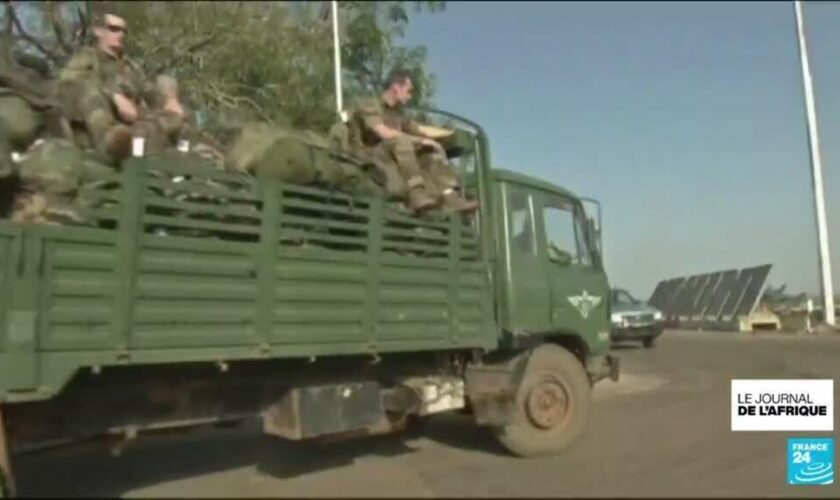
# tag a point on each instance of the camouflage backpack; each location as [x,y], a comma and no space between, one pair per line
[52,173]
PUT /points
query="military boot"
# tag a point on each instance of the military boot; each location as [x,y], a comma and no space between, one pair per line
[419,200]
[454,203]
[418,197]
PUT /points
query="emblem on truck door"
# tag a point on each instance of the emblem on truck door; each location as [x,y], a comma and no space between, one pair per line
[584,303]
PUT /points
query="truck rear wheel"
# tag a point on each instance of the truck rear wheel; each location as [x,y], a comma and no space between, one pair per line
[552,405]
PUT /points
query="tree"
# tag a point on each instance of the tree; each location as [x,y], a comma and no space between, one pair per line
[239,61]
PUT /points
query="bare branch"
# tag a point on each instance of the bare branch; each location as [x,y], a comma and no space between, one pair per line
[26,36]
[58,26]
[225,99]
[203,42]
[81,33]
[8,27]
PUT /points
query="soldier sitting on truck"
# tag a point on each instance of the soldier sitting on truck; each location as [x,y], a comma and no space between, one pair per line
[412,161]
[108,99]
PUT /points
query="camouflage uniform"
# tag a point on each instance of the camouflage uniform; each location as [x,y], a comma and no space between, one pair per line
[23,106]
[409,167]
[396,158]
[27,112]
[86,86]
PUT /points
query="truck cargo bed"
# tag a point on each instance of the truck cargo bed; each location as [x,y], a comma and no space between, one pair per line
[184,264]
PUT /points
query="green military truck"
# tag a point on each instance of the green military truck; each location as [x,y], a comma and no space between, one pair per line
[200,297]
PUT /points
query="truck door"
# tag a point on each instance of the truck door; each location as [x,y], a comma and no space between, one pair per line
[579,289]
[528,298]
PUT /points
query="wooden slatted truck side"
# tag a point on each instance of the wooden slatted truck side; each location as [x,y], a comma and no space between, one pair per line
[198,297]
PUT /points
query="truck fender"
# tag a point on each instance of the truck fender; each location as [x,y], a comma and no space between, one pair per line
[492,388]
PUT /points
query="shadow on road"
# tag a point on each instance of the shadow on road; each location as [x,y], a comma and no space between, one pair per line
[459,431]
[624,346]
[94,472]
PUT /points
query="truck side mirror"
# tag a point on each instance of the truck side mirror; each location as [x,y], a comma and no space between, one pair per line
[594,235]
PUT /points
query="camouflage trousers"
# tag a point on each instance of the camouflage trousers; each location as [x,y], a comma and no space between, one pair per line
[85,104]
[405,166]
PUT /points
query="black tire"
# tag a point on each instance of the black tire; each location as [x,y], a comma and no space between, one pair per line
[552,371]
[648,342]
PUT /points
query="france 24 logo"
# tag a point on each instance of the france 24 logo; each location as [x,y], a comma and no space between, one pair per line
[810,461]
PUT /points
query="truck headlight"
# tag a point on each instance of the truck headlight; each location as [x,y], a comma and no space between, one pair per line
[616,318]
[657,315]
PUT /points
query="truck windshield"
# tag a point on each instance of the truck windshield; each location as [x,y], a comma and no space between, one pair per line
[621,297]
[462,144]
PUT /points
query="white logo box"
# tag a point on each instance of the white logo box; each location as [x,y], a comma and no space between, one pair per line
[763,397]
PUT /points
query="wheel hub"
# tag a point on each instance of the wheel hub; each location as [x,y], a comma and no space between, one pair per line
[547,404]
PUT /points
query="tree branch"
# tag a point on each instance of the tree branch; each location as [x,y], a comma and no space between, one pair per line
[203,42]
[27,37]
[8,27]
[58,27]
[81,33]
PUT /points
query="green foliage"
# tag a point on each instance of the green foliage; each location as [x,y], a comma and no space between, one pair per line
[270,61]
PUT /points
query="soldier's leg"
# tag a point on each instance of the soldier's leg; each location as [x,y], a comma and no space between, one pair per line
[110,138]
[443,176]
[387,171]
[161,129]
[403,152]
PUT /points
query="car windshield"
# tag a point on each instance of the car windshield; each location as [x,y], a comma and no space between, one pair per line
[621,297]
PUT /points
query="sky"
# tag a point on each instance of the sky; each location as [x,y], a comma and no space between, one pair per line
[685,120]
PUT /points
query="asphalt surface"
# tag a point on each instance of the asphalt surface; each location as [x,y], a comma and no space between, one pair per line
[662,430]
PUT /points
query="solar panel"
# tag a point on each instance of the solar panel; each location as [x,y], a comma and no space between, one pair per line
[699,287]
[752,293]
[673,304]
[686,296]
[718,296]
[670,298]
[706,295]
[737,291]
[721,293]
[656,296]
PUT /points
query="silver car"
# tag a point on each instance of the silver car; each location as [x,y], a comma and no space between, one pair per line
[633,319]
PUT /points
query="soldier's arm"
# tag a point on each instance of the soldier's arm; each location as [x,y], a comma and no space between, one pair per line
[371,118]
[413,128]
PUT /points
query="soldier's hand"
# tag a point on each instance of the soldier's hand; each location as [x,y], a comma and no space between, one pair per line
[173,106]
[126,109]
[432,144]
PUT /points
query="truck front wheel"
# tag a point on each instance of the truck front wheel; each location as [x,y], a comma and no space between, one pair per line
[552,404]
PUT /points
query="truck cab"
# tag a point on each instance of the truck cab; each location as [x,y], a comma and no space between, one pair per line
[552,285]
[544,247]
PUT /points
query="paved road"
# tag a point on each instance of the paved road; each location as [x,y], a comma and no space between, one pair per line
[663,430]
